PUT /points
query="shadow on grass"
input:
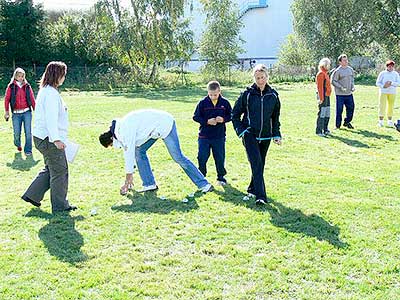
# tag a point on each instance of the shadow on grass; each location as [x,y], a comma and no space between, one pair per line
[187,95]
[148,202]
[22,164]
[371,134]
[350,142]
[60,237]
[180,94]
[293,220]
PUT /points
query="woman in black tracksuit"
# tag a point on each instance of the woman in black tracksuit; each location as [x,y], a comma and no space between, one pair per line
[255,118]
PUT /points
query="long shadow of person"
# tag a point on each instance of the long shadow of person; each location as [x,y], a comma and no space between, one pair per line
[22,164]
[60,237]
[350,142]
[148,202]
[371,134]
[293,220]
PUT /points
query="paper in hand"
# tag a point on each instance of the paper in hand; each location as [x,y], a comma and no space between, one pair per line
[71,149]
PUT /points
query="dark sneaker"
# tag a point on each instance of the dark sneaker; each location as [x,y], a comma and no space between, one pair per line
[261,202]
[71,207]
[19,149]
[327,132]
[37,204]
[348,125]
[65,210]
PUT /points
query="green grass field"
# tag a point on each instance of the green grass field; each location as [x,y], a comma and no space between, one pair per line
[331,232]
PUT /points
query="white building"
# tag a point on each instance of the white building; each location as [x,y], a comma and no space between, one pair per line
[266,25]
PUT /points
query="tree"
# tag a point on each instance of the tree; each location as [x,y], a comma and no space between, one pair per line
[21,27]
[220,43]
[385,17]
[148,33]
[83,38]
[294,52]
[332,27]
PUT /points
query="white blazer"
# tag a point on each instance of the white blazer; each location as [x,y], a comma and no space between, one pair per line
[51,116]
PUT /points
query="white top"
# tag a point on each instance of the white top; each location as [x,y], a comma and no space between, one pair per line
[136,128]
[385,76]
[51,116]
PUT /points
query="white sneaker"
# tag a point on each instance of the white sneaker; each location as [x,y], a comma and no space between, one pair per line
[390,123]
[207,188]
[221,183]
[148,188]
[380,123]
[250,195]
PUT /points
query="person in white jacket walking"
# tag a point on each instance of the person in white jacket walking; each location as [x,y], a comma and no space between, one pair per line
[387,82]
[50,130]
[136,133]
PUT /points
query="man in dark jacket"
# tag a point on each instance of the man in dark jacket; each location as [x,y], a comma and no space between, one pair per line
[255,118]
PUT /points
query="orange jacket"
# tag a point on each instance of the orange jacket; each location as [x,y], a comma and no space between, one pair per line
[323,84]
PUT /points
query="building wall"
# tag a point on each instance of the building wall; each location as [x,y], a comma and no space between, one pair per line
[264,30]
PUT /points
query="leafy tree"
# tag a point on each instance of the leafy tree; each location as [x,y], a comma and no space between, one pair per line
[83,38]
[220,43]
[331,27]
[385,29]
[148,33]
[21,28]
[294,52]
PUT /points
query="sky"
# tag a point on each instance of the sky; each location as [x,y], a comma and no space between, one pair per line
[67,4]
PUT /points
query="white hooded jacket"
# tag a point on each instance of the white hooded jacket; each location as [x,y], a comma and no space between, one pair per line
[136,128]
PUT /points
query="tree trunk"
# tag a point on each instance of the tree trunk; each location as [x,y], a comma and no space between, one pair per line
[153,73]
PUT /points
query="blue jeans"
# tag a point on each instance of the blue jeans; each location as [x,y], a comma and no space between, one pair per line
[348,102]
[17,121]
[218,150]
[174,149]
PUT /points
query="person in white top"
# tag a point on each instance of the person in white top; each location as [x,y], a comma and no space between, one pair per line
[50,129]
[387,82]
[135,134]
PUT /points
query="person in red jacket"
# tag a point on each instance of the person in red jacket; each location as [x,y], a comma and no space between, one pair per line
[323,93]
[21,101]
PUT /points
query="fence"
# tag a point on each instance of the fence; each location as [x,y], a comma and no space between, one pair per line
[107,77]
[101,77]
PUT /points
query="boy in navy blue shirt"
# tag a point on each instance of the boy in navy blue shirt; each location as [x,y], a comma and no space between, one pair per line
[212,113]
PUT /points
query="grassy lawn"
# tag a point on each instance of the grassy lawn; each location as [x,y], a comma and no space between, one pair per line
[331,232]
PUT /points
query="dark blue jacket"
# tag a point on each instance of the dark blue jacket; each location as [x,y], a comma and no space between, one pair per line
[206,110]
[257,113]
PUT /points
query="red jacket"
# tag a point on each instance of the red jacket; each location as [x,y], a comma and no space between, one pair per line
[20,97]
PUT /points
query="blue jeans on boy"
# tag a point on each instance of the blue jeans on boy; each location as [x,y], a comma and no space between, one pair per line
[347,101]
[174,149]
[218,150]
[17,121]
